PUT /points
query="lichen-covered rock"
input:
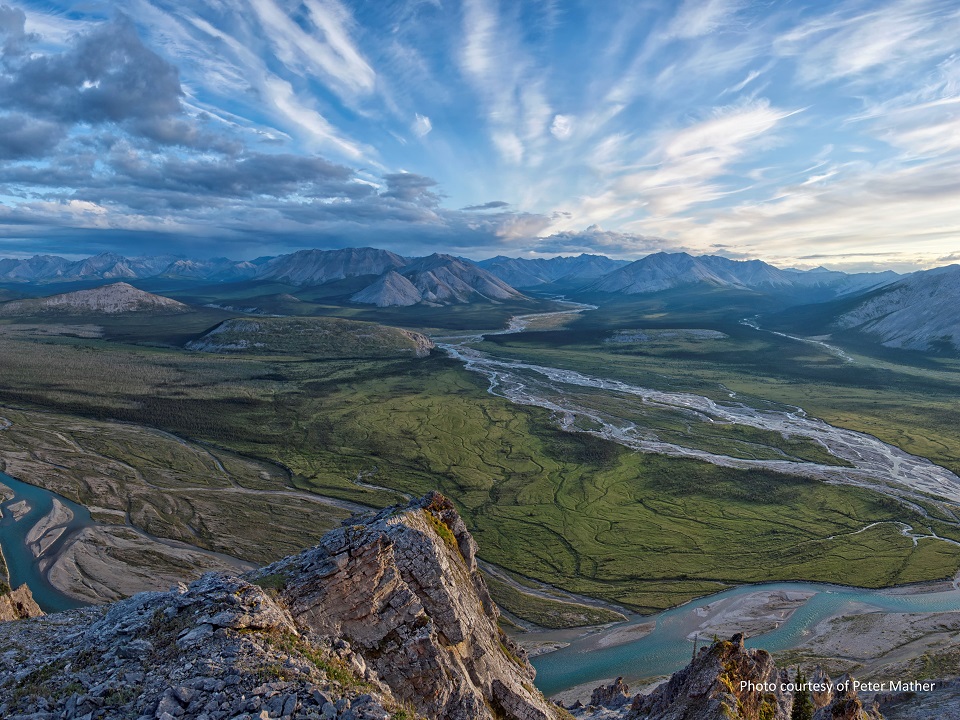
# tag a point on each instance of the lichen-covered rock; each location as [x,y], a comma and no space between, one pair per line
[846,705]
[724,681]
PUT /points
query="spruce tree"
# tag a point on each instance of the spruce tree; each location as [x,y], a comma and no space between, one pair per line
[802,704]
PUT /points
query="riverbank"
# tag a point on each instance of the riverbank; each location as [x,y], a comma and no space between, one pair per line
[861,630]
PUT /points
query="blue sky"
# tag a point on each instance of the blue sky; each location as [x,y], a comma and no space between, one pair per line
[805,134]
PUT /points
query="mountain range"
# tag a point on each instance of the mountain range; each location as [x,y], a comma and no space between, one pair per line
[445,279]
[436,280]
[530,272]
[919,312]
[666,271]
[914,312]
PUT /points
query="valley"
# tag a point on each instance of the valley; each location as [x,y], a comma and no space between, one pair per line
[610,458]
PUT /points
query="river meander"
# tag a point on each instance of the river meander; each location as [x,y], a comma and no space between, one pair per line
[21,563]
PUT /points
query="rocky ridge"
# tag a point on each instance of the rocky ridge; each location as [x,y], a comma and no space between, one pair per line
[666,271]
[917,313]
[386,617]
[435,280]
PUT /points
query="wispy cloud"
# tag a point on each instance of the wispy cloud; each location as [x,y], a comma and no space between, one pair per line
[421,125]
[772,129]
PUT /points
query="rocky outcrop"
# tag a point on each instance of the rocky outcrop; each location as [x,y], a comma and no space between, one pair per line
[404,590]
[727,681]
[712,687]
[387,617]
[614,695]
[17,604]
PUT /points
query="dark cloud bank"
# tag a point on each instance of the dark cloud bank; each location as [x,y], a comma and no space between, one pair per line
[99,153]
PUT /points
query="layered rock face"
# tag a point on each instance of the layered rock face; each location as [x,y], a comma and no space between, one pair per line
[404,590]
[386,618]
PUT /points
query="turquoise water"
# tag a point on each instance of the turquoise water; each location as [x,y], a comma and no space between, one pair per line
[22,566]
[667,649]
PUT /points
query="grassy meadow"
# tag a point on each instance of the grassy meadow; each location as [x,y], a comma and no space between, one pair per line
[568,509]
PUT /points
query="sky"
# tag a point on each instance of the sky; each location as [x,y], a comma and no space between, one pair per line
[804,134]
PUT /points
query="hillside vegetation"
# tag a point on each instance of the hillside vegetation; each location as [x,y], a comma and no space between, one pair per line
[569,509]
[316,337]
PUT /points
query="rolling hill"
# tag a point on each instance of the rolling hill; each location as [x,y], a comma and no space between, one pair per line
[118,298]
[316,337]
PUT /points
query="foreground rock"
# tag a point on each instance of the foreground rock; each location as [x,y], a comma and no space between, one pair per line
[17,604]
[726,681]
[387,617]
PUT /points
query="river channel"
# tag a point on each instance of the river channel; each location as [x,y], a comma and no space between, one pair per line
[22,566]
[872,463]
[667,646]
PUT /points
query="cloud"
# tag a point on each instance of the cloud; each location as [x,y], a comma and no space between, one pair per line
[22,137]
[597,240]
[512,91]
[13,32]
[107,76]
[681,168]
[882,42]
[696,18]
[411,187]
[421,125]
[493,205]
[324,47]
[561,127]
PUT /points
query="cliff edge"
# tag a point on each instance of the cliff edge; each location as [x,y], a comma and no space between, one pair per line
[387,617]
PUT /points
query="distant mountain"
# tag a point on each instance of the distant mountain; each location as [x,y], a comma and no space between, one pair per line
[666,271]
[316,337]
[436,280]
[390,290]
[315,267]
[39,267]
[110,266]
[218,269]
[110,300]
[920,312]
[530,272]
